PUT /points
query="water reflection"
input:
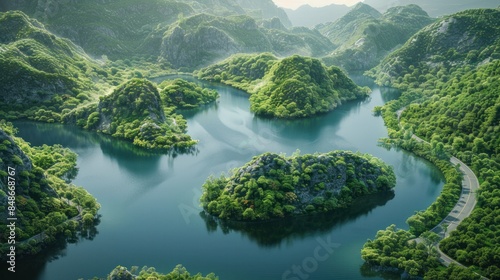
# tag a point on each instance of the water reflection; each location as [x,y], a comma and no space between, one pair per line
[29,267]
[389,94]
[275,233]
[369,271]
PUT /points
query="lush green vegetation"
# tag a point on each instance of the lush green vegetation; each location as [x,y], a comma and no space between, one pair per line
[134,111]
[185,95]
[273,186]
[40,71]
[456,95]
[364,36]
[147,273]
[398,249]
[299,87]
[293,87]
[45,201]
[243,71]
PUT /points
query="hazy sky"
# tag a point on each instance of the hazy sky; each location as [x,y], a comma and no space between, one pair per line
[293,4]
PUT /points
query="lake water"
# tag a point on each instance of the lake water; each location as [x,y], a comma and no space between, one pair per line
[150,212]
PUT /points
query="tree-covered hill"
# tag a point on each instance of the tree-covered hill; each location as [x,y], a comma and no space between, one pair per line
[37,177]
[243,71]
[185,95]
[364,36]
[39,68]
[450,71]
[204,38]
[298,87]
[271,186]
[293,87]
[134,111]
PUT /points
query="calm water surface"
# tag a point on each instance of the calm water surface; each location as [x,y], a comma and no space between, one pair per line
[150,212]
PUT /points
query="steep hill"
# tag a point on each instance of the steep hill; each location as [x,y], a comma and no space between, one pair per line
[100,26]
[293,87]
[204,38]
[271,186]
[364,36]
[299,87]
[309,16]
[134,111]
[39,68]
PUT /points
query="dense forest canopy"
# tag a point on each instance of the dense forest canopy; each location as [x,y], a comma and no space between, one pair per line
[272,186]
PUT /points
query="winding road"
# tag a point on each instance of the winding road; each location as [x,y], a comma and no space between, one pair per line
[462,209]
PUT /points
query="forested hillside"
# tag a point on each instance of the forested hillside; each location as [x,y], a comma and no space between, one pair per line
[451,72]
[38,178]
[364,36]
[40,69]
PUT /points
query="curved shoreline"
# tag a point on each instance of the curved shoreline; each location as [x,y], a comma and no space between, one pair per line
[462,209]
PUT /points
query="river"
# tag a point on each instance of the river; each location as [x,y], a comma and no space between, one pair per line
[150,213]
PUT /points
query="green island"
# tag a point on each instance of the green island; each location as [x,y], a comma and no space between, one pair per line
[134,111]
[451,99]
[46,205]
[293,87]
[273,186]
[148,273]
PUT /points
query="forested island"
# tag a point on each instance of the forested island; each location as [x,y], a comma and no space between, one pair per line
[147,273]
[293,87]
[273,186]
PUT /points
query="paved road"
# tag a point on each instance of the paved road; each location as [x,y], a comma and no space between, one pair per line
[462,209]
[466,202]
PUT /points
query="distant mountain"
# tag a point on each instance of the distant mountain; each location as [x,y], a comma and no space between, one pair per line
[309,16]
[114,28]
[265,9]
[204,39]
[117,28]
[364,36]
[433,7]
